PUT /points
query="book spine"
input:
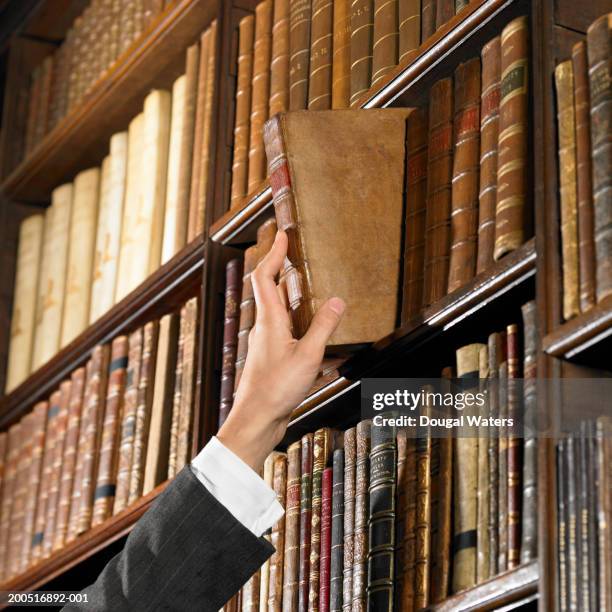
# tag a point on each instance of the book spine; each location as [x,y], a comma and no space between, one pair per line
[439,177]
[588,582]
[264,570]
[341,62]
[502,485]
[337,533]
[460,5]
[300,17]
[106,481]
[386,39]
[176,401]
[321,40]
[291,557]
[562,552]
[409,27]
[572,524]
[511,214]
[8,491]
[349,518]
[422,524]
[362,32]
[584,184]
[279,64]
[428,18]
[602,459]
[599,48]
[277,537]
[305,520]
[325,555]
[445,9]
[483,562]
[3,465]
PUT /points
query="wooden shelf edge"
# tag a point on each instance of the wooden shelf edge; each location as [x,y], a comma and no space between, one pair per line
[84,546]
[179,272]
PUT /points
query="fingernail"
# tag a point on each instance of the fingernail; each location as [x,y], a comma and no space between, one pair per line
[337,305]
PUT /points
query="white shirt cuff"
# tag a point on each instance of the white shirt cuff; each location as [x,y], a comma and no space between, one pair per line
[237,487]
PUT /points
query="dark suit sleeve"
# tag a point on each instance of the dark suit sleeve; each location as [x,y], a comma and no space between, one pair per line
[186,553]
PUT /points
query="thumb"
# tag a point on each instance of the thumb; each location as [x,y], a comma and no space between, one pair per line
[322,326]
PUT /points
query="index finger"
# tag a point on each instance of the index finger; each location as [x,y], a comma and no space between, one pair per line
[264,278]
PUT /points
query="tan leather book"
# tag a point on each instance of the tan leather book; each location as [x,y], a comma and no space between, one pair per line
[52,280]
[320,64]
[23,316]
[279,64]
[264,571]
[489,130]
[385,47]
[341,60]
[303,207]
[584,182]
[439,191]
[300,19]
[511,213]
[502,467]
[350,451]
[176,402]
[106,478]
[158,445]
[422,524]
[291,559]
[362,33]
[246,32]
[445,9]
[564,81]
[8,489]
[428,18]
[483,561]
[409,27]
[146,382]
[466,154]
[277,537]
[82,242]
[126,278]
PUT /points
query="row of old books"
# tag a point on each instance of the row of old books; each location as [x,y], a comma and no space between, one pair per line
[584,517]
[113,431]
[104,30]
[318,55]
[382,519]
[111,228]
[584,116]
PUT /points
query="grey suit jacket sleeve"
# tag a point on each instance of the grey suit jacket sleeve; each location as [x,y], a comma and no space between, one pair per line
[187,552]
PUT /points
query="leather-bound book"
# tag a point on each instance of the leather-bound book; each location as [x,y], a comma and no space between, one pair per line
[464,206]
[483,562]
[599,44]
[300,18]
[260,92]
[23,316]
[511,207]
[361,540]
[350,451]
[466,482]
[128,420]
[341,61]
[445,9]
[336,571]
[233,275]
[3,459]
[416,194]
[301,206]
[362,33]
[320,63]
[246,32]
[69,457]
[572,523]
[584,182]
[601,459]
[428,18]
[586,573]
[409,26]
[264,570]
[422,525]
[381,522]
[386,38]
[33,102]
[564,80]
[8,490]
[249,600]
[291,557]
[489,132]
[277,537]
[325,555]
[106,479]
[305,520]
[439,191]
[279,64]
[561,532]
[502,485]
[529,528]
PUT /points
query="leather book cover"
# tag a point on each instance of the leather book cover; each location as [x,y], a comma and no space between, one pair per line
[599,45]
[341,61]
[233,276]
[561,532]
[409,27]
[465,463]
[464,199]
[422,525]
[361,544]
[336,570]
[300,18]
[601,460]
[325,554]
[564,80]
[291,557]
[106,479]
[529,528]
[584,182]
[428,18]
[381,521]
[445,9]
[460,5]
[483,561]
[128,420]
[588,581]
[33,102]
[439,191]
[511,207]
[277,537]
[416,200]
[305,520]
[502,485]
[3,460]
[262,49]
[362,34]
[350,451]
[8,491]
[572,524]
[320,64]
[279,64]
[304,207]
[489,133]
[250,594]
[264,570]
[177,392]
[386,38]
[246,32]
